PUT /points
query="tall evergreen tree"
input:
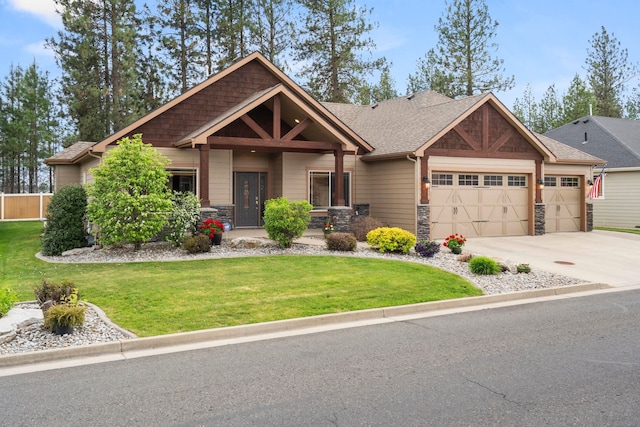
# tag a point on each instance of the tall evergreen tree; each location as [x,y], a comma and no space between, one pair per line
[97,51]
[578,101]
[608,70]
[632,105]
[235,26]
[273,29]
[462,64]
[11,132]
[383,90]
[331,47]
[526,109]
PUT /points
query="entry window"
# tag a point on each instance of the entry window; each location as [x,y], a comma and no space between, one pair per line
[468,180]
[517,181]
[493,180]
[550,181]
[442,179]
[568,181]
[182,180]
[322,188]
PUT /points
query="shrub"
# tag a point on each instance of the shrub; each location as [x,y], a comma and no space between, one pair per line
[392,239]
[285,220]
[49,294]
[343,242]
[484,266]
[130,199]
[66,315]
[65,227]
[363,225]
[523,268]
[7,298]
[183,217]
[427,248]
[197,244]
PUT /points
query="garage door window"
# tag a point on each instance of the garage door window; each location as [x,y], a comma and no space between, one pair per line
[568,181]
[442,179]
[468,180]
[550,181]
[493,180]
[517,181]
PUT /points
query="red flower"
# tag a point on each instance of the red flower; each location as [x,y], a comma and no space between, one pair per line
[211,227]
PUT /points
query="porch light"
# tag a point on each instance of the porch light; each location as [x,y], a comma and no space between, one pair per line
[426,182]
[297,120]
[590,183]
[540,184]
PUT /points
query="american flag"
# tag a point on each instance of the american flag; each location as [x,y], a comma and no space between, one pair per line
[594,193]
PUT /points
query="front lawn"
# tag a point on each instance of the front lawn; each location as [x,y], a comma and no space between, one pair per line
[620,230]
[160,298]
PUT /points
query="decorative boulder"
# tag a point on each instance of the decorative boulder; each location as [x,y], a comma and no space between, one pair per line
[249,243]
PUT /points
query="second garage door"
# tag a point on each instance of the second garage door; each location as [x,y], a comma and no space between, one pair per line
[562,195]
[476,204]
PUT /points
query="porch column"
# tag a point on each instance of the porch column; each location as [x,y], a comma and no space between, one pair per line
[339,174]
[538,191]
[204,176]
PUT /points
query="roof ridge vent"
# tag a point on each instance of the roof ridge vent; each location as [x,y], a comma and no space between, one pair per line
[410,97]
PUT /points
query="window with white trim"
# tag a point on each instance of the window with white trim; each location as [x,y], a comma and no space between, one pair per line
[468,180]
[516,181]
[569,181]
[442,179]
[322,188]
[182,179]
[493,180]
[550,181]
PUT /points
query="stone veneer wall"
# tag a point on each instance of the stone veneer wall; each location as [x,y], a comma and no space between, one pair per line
[361,209]
[341,218]
[589,216]
[540,223]
[424,222]
[225,213]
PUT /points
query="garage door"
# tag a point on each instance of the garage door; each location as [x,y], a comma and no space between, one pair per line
[479,204]
[562,196]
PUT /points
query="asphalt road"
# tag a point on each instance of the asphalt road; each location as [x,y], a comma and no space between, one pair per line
[558,363]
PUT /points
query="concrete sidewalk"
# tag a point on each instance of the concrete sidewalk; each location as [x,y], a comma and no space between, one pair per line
[598,256]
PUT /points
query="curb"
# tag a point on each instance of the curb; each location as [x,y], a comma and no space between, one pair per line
[279,326]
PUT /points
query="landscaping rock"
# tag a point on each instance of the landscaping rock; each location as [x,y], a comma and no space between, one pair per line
[249,243]
[78,251]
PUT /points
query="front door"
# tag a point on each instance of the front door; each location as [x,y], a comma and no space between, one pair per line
[249,198]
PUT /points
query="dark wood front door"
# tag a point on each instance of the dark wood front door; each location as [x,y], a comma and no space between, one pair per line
[250,194]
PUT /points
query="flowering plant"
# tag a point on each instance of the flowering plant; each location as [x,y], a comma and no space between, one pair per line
[211,227]
[454,241]
[327,227]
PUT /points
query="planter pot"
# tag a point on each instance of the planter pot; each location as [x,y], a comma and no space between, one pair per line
[216,239]
[63,330]
[456,250]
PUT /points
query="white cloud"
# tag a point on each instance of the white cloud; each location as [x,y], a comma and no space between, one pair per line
[39,49]
[43,9]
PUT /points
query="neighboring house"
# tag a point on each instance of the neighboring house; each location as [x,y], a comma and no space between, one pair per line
[425,162]
[618,142]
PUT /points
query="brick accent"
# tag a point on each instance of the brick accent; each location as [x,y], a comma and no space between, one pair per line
[589,216]
[424,222]
[539,227]
[341,218]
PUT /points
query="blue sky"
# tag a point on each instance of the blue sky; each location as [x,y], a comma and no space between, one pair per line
[542,42]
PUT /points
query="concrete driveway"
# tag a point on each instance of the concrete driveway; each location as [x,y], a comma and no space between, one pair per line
[598,256]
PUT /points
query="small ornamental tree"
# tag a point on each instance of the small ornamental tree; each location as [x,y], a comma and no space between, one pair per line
[65,227]
[130,199]
[183,217]
[285,220]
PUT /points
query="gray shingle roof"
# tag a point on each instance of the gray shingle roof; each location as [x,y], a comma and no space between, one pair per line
[71,153]
[404,124]
[566,153]
[615,140]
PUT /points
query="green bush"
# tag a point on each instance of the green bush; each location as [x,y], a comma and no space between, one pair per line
[391,239]
[197,244]
[285,220]
[183,217]
[523,268]
[65,227]
[362,225]
[130,199]
[64,315]
[484,266]
[343,242]
[7,298]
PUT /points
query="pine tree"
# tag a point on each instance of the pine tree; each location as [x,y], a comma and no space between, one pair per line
[608,70]
[331,47]
[235,25]
[526,109]
[577,101]
[462,64]
[273,29]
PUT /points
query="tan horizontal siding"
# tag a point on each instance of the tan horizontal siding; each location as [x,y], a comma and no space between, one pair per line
[220,177]
[393,193]
[66,175]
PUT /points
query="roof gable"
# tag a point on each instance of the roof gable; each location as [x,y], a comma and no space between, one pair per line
[229,90]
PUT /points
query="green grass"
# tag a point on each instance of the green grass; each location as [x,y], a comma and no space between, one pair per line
[620,230]
[159,298]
